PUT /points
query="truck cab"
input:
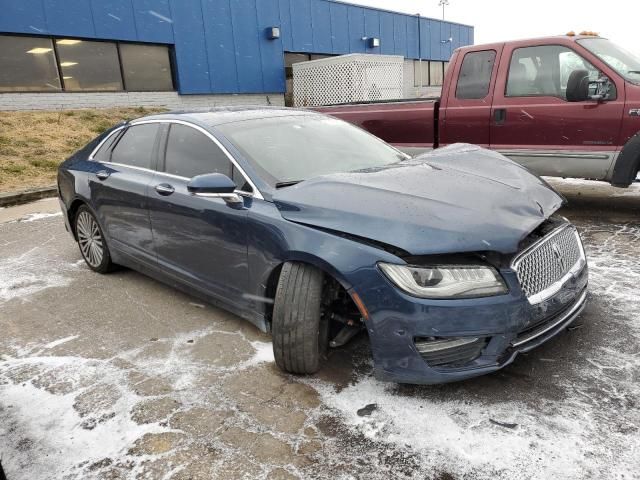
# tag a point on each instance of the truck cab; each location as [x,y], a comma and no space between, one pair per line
[566,106]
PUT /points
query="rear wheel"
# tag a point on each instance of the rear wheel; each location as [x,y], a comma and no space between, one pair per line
[91,241]
[300,333]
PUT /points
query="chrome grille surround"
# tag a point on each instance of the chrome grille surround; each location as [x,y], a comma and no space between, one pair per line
[545,266]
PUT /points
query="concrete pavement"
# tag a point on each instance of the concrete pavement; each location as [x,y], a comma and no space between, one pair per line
[121,377]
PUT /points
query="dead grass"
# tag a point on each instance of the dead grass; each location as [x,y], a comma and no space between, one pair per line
[33,144]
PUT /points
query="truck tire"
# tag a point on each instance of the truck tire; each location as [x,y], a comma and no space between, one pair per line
[628,163]
[300,338]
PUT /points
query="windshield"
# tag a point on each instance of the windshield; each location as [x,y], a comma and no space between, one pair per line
[625,63]
[287,150]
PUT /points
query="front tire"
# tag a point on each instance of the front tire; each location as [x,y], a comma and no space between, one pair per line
[93,246]
[300,336]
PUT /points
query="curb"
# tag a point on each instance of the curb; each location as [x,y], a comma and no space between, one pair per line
[26,196]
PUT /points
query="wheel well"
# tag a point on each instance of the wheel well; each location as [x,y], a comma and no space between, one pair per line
[335,297]
[71,214]
[627,164]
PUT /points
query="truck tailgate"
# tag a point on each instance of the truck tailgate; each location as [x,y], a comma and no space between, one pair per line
[408,125]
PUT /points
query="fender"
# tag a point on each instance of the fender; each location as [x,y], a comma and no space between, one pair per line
[628,163]
[320,263]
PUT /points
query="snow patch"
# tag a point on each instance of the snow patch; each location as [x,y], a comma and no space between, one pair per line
[59,342]
[37,269]
[29,273]
[32,217]
[461,437]
[264,353]
[58,436]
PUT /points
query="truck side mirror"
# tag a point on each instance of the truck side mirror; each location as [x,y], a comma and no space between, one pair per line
[578,86]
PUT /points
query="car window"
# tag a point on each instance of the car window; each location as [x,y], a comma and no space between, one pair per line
[135,147]
[299,147]
[475,75]
[103,154]
[241,181]
[191,153]
[544,71]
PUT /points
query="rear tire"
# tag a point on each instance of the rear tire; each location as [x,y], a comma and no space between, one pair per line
[300,336]
[91,241]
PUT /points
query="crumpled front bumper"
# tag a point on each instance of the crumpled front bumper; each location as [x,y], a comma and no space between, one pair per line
[508,325]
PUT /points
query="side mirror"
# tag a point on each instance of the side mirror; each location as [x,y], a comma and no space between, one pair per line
[578,86]
[214,185]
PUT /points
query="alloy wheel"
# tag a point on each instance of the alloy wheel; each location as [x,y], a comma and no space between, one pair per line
[90,239]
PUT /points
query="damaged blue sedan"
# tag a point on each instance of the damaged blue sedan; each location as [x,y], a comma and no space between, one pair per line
[313,230]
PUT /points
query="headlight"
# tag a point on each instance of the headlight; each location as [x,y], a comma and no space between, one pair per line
[450,281]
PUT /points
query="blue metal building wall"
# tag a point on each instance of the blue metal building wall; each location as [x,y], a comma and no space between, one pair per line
[221,46]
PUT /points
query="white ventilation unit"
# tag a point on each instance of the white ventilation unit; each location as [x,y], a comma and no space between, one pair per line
[348,78]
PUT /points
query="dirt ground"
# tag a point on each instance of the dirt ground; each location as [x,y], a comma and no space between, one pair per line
[121,377]
[33,144]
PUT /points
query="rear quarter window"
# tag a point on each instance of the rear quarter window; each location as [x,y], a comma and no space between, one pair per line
[104,152]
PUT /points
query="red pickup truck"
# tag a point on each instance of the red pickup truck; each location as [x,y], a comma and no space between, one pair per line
[566,106]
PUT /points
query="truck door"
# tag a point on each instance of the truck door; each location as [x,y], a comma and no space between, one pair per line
[533,123]
[465,115]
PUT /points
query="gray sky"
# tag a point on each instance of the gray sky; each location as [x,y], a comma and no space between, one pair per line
[498,20]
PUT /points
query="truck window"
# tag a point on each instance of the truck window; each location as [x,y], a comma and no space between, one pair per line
[475,75]
[544,71]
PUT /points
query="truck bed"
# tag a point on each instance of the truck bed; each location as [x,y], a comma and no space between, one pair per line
[398,122]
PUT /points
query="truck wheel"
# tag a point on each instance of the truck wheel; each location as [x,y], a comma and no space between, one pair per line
[300,334]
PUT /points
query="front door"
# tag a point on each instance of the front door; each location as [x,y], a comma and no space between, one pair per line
[533,123]
[200,240]
[119,187]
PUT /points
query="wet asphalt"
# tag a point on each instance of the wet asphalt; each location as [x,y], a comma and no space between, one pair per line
[121,377]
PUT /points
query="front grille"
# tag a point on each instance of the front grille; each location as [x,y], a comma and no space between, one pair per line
[546,262]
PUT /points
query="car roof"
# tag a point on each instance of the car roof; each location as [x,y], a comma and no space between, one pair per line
[221,115]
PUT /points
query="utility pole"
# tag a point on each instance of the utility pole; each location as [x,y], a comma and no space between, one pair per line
[443,3]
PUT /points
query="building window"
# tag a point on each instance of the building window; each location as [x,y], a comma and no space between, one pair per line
[28,64]
[42,64]
[436,74]
[428,74]
[89,66]
[420,73]
[146,68]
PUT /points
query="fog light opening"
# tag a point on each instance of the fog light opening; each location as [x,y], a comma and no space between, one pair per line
[449,352]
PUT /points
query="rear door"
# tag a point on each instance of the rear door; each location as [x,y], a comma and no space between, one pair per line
[200,240]
[535,125]
[466,116]
[119,189]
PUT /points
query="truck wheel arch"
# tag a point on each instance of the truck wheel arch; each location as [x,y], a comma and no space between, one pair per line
[627,164]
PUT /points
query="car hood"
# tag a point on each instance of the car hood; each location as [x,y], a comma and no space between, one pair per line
[460,198]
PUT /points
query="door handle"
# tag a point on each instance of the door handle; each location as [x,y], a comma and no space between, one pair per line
[103,174]
[165,189]
[500,116]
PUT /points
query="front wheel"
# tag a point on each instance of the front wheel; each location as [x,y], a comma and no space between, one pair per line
[91,241]
[300,336]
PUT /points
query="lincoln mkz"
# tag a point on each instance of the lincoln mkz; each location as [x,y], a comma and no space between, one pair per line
[314,230]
